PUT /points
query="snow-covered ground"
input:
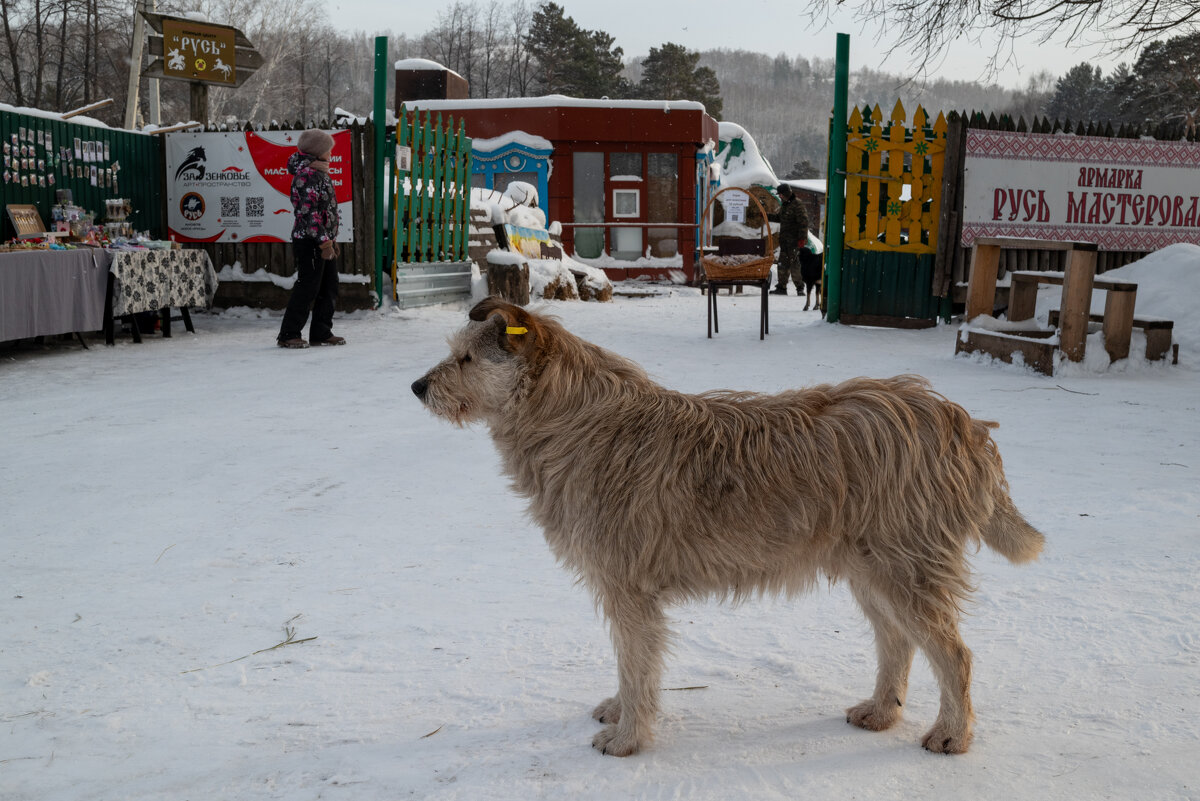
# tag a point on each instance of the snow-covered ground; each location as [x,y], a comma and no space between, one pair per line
[174,509]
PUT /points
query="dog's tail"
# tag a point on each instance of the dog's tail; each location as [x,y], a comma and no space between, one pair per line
[1008,533]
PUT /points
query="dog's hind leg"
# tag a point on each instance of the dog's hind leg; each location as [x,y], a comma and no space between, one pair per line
[935,628]
[895,653]
[639,633]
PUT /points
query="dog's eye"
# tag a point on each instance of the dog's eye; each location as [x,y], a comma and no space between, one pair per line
[465,359]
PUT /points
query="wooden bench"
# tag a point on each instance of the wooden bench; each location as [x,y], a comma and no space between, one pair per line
[1078,282]
[1159,332]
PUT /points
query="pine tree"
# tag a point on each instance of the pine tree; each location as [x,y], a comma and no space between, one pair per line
[671,73]
[596,70]
[1162,85]
[571,60]
[553,43]
[1079,95]
[802,170]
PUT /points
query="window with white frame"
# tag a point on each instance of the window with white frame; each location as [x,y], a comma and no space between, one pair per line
[627,203]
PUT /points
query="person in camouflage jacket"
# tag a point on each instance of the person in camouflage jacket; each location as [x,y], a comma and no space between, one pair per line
[793,235]
[314,234]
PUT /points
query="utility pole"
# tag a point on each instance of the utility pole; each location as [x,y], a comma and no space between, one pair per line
[135,67]
[152,83]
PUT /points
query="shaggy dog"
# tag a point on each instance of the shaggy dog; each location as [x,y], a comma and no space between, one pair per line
[655,497]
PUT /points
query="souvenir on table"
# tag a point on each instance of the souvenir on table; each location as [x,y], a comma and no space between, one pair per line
[26,220]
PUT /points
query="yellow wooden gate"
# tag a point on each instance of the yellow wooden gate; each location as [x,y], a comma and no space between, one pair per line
[894,181]
[893,206]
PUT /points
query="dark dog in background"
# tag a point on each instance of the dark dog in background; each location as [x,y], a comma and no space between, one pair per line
[810,274]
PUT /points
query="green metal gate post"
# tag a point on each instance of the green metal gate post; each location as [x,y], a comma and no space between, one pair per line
[836,182]
[379,131]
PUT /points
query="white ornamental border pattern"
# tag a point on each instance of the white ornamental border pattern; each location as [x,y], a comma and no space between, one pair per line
[1065,147]
[1105,238]
[1005,145]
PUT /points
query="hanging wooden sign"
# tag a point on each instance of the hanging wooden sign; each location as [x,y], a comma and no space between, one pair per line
[196,51]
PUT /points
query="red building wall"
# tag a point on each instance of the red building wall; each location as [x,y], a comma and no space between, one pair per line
[591,126]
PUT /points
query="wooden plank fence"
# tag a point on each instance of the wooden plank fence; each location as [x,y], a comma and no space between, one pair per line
[357,259]
[40,158]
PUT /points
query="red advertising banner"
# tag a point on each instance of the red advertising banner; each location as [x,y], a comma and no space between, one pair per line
[235,187]
[1122,194]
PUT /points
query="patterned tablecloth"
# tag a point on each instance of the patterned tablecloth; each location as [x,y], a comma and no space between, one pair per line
[149,280]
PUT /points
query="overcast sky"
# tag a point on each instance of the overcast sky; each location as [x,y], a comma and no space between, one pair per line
[766,26]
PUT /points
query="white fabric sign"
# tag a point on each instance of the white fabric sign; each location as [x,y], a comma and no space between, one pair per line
[235,187]
[1122,194]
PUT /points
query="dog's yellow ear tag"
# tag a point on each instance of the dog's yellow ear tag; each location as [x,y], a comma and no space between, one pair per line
[513,329]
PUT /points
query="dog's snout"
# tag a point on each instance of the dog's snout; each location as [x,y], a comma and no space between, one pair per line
[420,387]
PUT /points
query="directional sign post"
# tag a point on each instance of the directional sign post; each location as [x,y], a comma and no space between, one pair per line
[201,53]
[198,52]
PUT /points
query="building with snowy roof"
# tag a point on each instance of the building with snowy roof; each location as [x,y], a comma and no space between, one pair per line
[626,179]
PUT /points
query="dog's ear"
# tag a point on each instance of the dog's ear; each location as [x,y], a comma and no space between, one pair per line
[493,305]
[516,328]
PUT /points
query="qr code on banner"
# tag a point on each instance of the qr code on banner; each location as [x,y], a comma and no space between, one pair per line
[254,207]
[230,206]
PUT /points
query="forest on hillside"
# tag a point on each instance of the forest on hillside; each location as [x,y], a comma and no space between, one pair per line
[63,54]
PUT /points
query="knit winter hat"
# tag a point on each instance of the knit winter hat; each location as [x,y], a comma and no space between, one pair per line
[784,190]
[315,142]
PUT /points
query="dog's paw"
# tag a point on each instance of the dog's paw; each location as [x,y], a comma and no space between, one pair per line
[943,739]
[609,711]
[614,742]
[872,716]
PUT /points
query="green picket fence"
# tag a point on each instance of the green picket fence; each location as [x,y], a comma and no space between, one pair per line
[45,155]
[430,199]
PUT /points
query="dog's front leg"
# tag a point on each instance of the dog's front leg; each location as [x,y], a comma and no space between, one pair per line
[639,633]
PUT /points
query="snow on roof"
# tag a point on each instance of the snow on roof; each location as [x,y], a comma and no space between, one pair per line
[422,64]
[808,184]
[552,101]
[512,138]
[747,168]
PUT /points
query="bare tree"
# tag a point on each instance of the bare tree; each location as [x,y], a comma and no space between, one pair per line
[455,39]
[520,60]
[1122,25]
[11,15]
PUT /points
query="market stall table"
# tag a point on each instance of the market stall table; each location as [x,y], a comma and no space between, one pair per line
[153,280]
[48,292]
